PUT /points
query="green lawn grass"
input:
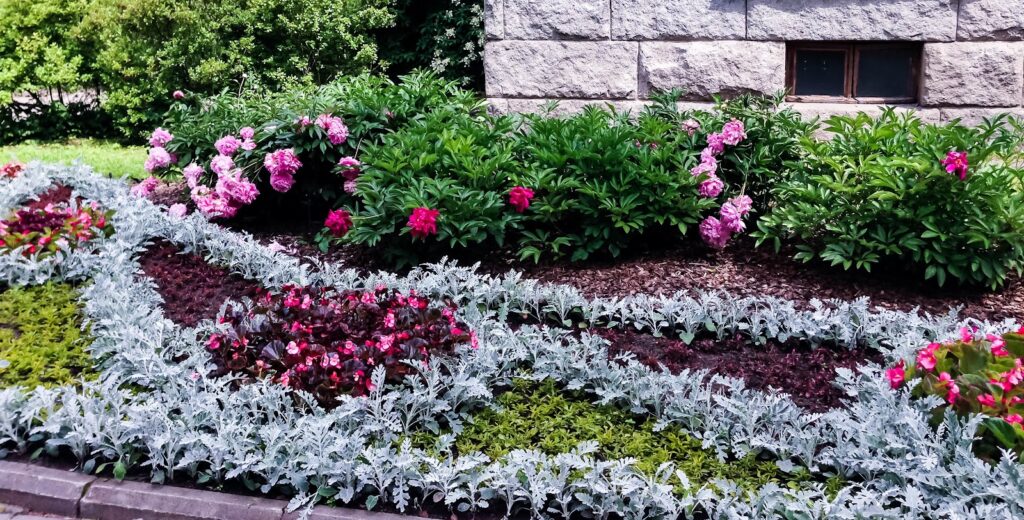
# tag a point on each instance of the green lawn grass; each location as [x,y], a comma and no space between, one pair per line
[105,157]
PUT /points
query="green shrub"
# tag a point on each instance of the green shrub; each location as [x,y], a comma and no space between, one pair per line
[539,416]
[879,192]
[445,36]
[41,338]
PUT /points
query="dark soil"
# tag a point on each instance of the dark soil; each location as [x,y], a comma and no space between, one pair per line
[58,194]
[805,374]
[192,289]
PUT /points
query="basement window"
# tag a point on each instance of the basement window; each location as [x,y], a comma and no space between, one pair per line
[838,72]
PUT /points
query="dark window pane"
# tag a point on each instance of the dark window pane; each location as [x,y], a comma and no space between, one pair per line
[886,72]
[820,73]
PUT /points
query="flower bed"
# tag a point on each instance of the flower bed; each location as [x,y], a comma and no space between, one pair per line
[880,455]
[47,230]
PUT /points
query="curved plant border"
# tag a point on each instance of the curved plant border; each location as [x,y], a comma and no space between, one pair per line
[185,424]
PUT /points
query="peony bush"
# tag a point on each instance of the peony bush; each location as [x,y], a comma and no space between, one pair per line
[44,231]
[328,343]
[975,375]
[945,202]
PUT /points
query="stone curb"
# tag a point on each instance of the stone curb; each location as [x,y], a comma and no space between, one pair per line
[59,492]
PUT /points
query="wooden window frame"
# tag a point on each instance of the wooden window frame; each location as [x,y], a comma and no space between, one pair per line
[851,52]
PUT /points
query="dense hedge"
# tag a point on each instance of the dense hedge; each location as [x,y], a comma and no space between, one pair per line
[41,338]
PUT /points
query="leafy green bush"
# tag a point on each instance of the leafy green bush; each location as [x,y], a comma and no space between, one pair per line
[445,36]
[539,416]
[879,191]
[41,338]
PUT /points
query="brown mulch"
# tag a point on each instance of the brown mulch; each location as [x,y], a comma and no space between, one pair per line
[192,289]
[804,373]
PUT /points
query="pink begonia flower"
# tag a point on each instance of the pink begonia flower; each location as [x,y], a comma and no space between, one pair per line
[247,132]
[713,233]
[952,390]
[988,400]
[716,142]
[158,159]
[733,132]
[896,375]
[178,95]
[350,186]
[966,335]
[281,182]
[192,174]
[690,126]
[519,198]
[177,210]
[998,346]
[731,217]
[160,138]
[236,188]
[145,188]
[711,187]
[338,222]
[282,162]
[423,222]
[956,163]
[227,145]
[926,359]
[222,164]
[1015,419]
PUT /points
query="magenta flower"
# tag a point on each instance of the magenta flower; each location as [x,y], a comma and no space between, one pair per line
[337,132]
[896,375]
[733,132]
[281,182]
[713,233]
[966,335]
[716,142]
[988,400]
[158,159]
[247,132]
[177,210]
[282,162]
[236,188]
[248,145]
[743,203]
[926,359]
[213,206]
[178,95]
[956,163]
[145,188]
[160,138]
[708,167]
[711,187]
[350,167]
[338,222]
[227,145]
[192,174]
[350,186]
[1015,419]
[731,217]
[519,198]
[423,222]
[222,164]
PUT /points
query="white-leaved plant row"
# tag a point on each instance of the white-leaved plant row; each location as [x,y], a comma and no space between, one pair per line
[154,408]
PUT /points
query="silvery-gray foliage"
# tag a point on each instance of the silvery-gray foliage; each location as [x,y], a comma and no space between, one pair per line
[177,423]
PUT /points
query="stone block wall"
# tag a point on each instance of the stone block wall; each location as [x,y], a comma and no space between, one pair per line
[620,51]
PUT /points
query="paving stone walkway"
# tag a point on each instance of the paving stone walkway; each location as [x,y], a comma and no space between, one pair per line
[18,513]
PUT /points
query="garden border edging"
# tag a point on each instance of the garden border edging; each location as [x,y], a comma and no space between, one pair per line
[67,493]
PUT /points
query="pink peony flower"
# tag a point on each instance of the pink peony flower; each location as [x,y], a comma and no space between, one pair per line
[349,163]
[731,217]
[733,132]
[177,210]
[158,159]
[227,145]
[145,188]
[303,122]
[248,145]
[707,166]
[350,186]
[282,162]
[160,138]
[236,188]
[423,222]
[742,203]
[281,182]
[338,222]
[690,126]
[713,233]
[716,142]
[896,375]
[192,173]
[956,163]
[222,164]
[337,132]
[711,187]
[519,198]
[178,95]
[214,206]
[247,132]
